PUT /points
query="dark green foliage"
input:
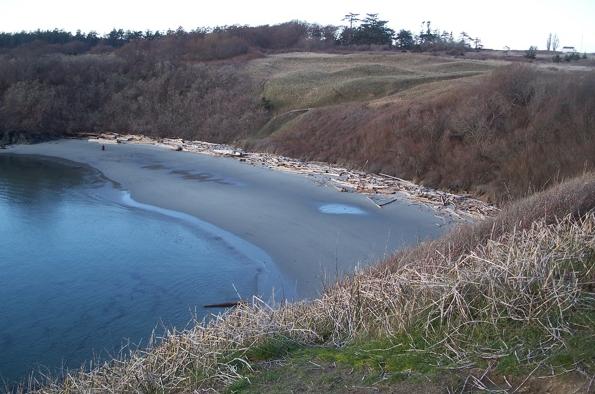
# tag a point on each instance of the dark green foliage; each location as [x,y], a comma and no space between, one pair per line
[373,31]
[531,53]
[430,39]
[56,36]
[274,347]
[405,39]
[428,36]
[573,56]
[267,104]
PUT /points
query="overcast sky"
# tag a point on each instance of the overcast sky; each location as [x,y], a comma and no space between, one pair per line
[518,23]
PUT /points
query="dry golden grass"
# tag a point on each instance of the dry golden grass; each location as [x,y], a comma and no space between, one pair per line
[573,198]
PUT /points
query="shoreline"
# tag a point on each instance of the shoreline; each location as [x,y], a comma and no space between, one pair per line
[105,270]
[380,189]
[267,276]
[284,214]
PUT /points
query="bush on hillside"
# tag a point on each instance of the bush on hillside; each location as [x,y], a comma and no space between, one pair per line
[531,53]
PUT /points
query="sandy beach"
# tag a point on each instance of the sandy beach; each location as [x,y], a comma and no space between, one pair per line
[311,232]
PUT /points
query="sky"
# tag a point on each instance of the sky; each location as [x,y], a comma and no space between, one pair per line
[517,24]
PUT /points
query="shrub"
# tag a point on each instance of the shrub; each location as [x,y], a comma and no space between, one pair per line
[531,53]
[574,56]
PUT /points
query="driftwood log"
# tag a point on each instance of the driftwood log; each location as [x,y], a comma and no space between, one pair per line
[230,304]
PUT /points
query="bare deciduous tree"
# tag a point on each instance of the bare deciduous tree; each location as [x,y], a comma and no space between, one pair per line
[548,44]
[555,42]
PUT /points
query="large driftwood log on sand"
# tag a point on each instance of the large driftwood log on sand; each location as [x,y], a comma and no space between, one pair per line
[381,189]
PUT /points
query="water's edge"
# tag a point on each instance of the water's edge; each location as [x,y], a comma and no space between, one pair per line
[267,275]
[94,187]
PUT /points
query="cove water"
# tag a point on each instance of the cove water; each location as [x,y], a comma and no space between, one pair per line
[84,269]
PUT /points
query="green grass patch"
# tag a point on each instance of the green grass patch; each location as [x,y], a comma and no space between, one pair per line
[273,348]
[518,348]
[418,357]
[378,357]
[366,361]
[579,347]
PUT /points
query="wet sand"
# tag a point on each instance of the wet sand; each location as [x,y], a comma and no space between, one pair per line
[312,233]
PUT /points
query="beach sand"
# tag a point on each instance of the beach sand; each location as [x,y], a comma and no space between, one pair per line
[312,233]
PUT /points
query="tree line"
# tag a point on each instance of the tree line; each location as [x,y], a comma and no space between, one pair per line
[228,41]
[371,30]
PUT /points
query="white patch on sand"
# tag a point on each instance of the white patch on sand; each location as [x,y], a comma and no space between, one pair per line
[341,209]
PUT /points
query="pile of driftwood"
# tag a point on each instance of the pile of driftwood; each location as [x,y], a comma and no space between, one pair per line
[381,189]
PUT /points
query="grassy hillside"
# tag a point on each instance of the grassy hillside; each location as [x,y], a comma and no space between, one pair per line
[294,83]
[304,80]
[497,131]
[510,306]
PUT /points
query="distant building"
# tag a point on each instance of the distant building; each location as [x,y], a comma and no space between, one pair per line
[568,50]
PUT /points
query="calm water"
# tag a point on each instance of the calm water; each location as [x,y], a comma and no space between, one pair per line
[83,267]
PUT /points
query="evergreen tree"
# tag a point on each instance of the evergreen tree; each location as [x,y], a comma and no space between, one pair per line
[405,39]
[373,31]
